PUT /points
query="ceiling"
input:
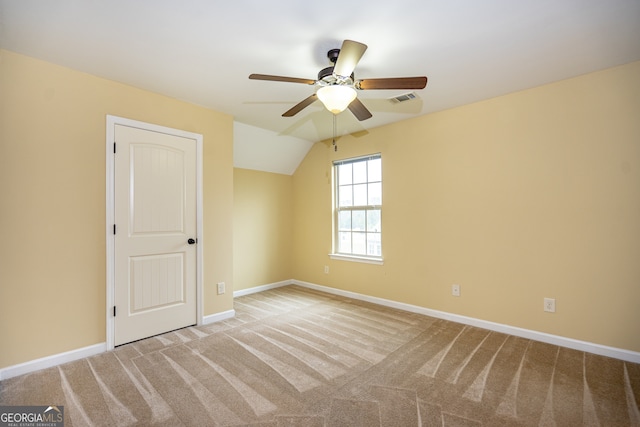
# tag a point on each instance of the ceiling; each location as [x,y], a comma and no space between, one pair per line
[202,51]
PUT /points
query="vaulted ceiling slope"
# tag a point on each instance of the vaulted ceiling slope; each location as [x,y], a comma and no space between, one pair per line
[203,51]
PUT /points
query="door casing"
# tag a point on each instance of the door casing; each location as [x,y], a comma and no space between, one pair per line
[112,121]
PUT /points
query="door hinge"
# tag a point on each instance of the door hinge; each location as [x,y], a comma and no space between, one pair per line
[114,311]
[114,229]
[114,148]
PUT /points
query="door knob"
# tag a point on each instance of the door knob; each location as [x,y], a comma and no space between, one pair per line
[191,241]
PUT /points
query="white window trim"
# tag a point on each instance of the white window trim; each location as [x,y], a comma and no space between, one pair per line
[365,259]
[356,258]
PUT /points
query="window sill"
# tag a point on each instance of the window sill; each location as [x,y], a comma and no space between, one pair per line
[355,258]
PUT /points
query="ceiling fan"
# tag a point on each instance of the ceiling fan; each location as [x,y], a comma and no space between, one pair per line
[337,84]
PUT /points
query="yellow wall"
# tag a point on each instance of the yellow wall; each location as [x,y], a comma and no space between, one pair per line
[530,195]
[262,215]
[52,201]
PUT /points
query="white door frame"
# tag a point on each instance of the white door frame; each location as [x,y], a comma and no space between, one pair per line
[112,121]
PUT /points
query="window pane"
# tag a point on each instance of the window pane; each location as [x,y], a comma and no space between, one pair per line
[358,218]
[373,221]
[375,170]
[344,242]
[344,174]
[344,220]
[374,244]
[345,196]
[375,194]
[359,172]
[359,243]
[357,221]
[360,195]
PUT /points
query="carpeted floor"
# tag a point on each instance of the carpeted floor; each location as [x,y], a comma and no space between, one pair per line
[297,357]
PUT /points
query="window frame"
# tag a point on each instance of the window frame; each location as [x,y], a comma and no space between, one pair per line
[351,256]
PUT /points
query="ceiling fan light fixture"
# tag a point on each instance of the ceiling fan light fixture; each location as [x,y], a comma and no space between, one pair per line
[336,98]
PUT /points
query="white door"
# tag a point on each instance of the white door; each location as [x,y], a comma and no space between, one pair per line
[155,233]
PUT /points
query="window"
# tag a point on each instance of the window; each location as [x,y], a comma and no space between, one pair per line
[358,207]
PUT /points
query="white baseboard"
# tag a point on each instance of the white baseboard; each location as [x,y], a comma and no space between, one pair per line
[617,353]
[53,360]
[602,350]
[261,288]
[92,350]
[217,317]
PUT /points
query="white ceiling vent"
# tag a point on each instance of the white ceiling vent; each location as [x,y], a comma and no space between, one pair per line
[404,97]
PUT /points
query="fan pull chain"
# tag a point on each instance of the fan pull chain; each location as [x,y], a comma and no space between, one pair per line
[335,131]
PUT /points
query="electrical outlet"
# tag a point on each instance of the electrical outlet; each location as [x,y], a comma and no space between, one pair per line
[550,305]
[455,290]
[326,269]
[221,287]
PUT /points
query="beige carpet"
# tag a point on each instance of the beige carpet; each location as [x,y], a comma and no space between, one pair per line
[297,357]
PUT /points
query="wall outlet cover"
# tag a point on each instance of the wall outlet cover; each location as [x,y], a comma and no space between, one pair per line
[550,305]
[455,290]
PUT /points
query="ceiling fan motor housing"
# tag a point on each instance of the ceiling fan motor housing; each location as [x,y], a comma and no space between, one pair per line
[326,74]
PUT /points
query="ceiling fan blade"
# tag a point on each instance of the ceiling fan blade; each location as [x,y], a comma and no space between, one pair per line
[300,106]
[359,110]
[392,83]
[350,54]
[281,79]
